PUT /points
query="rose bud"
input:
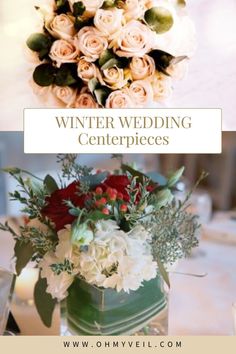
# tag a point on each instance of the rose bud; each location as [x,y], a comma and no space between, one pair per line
[99,191]
[105,211]
[123,208]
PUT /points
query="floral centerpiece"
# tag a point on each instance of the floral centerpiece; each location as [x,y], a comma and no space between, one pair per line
[104,242]
[113,54]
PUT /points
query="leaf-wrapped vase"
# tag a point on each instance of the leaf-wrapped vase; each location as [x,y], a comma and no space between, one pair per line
[89,310]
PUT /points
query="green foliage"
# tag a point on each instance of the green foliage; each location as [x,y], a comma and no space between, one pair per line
[67,266]
[159,19]
[44,302]
[66,75]
[41,43]
[24,251]
[50,184]
[174,232]
[78,8]
[71,169]
[44,75]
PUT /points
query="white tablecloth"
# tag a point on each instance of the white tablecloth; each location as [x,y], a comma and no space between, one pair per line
[211,82]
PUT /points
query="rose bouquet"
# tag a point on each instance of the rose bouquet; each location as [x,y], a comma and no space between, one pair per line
[101,241]
[113,54]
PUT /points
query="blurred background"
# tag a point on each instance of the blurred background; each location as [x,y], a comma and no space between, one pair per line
[210,83]
[199,304]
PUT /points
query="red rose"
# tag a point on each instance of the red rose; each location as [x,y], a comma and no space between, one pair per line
[56,209]
[120,183]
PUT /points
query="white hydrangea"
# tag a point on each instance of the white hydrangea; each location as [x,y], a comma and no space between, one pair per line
[116,259]
[59,283]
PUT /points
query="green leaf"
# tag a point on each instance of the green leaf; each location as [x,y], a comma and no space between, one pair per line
[109,3]
[159,19]
[157,178]
[164,197]
[98,215]
[50,184]
[93,84]
[44,302]
[102,94]
[175,177]
[162,60]
[23,254]
[105,57]
[11,170]
[140,176]
[39,42]
[110,63]
[78,8]
[94,180]
[163,272]
[44,75]
[65,75]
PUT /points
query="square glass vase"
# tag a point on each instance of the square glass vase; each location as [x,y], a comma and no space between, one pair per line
[89,310]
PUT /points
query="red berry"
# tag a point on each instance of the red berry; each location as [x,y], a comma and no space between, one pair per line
[105,211]
[97,203]
[115,191]
[120,196]
[123,208]
[113,196]
[99,191]
[109,190]
[103,201]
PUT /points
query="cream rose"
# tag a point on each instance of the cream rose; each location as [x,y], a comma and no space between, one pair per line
[66,95]
[85,100]
[91,6]
[63,51]
[142,67]
[113,77]
[61,26]
[162,86]
[135,40]
[108,21]
[141,92]
[119,99]
[134,9]
[91,43]
[86,70]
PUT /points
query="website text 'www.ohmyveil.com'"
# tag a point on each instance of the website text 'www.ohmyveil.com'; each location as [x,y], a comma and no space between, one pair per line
[125,344]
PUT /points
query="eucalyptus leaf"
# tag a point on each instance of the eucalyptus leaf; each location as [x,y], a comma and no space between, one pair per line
[23,253]
[140,176]
[157,178]
[78,8]
[44,75]
[110,63]
[162,60]
[164,197]
[95,180]
[39,42]
[109,3]
[159,19]
[65,75]
[93,84]
[50,184]
[105,57]
[44,302]
[102,94]
[175,177]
